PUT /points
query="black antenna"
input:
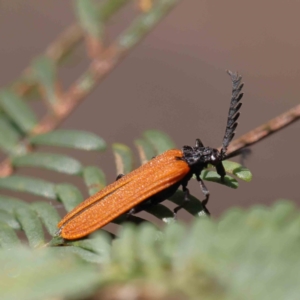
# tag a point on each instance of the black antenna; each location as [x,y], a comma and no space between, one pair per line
[233,114]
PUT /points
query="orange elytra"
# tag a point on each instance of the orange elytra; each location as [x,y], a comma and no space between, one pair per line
[154,181]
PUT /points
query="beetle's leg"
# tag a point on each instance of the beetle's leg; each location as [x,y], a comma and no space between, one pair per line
[130,218]
[119,176]
[198,143]
[205,191]
[186,199]
[245,153]
[221,171]
[130,213]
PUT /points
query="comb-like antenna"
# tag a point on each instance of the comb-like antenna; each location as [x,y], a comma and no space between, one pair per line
[234,108]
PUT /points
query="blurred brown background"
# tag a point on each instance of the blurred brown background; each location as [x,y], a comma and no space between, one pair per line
[175,81]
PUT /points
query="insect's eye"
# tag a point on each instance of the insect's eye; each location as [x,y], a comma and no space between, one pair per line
[214,157]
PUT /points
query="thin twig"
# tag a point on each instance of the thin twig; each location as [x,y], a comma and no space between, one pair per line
[265,130]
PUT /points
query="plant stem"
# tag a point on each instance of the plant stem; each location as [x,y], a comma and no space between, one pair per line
[265,130]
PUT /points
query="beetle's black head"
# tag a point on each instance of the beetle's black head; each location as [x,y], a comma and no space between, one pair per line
[200,155]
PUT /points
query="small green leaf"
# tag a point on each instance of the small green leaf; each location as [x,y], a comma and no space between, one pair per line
[145,149]
[82,253]
[130,219]
[18,110]
[45,72]
[48,214]
[99,243]
[69,195]
[160,141]
[9,136]
[215,177]
[70,138]
[89,18]
[28,184]
[243,173]
[194,206]
[8,237]
[31,225]
[87,244]
[56,241]
[9,204]
[94,179]
[237,170]
[56,162]
[123,158]
[161,212]
[9,219]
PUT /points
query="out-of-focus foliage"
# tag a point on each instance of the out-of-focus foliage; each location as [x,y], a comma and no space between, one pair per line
[245,255]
